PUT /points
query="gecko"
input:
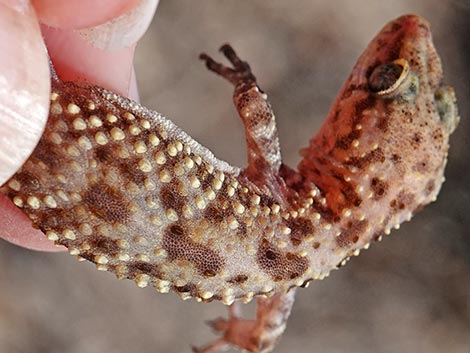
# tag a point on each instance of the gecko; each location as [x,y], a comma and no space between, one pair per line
[122,186]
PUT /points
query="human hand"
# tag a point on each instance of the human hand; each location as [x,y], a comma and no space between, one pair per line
[87,41]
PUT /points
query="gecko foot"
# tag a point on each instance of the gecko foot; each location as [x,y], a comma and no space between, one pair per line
[256,336]
[241,71]
[235,331]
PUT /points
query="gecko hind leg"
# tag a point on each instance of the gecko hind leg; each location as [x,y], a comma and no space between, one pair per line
[263,149]
[256,336]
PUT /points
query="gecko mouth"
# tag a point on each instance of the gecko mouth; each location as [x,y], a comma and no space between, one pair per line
[446,105]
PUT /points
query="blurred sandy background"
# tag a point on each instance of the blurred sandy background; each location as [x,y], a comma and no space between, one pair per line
[410,293]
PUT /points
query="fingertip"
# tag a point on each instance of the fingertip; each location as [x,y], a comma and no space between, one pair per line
[124,30]
[84,62]
[76,14]
[107,24]
[24,86]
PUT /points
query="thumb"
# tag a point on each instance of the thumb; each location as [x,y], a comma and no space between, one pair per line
[24,85]
[24,105]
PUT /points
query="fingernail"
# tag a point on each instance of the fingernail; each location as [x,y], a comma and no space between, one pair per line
[124,30]
[24,85]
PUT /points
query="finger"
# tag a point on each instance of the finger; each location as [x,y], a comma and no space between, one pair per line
[24,85]
[75,14]
[83,62]
[24,101]
[107,24]
[124,30]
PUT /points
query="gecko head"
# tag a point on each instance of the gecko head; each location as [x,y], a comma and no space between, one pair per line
[402,68]
[393,118]
[414,111]
[402,75]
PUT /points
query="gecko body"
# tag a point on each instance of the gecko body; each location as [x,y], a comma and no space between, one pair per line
[123,187]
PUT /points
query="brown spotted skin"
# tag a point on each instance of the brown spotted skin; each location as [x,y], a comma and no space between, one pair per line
[123,187]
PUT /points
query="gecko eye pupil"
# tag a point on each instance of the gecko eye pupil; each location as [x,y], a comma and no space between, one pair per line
[387,78]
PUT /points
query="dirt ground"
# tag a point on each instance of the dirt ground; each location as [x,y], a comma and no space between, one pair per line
[409,293]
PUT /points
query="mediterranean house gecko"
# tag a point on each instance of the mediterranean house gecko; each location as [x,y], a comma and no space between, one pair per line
[123,187]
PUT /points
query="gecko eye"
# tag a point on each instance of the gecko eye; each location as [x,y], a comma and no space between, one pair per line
[386,78]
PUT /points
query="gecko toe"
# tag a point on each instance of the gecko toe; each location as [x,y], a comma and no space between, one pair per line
[241,71]
[219,324]
[234,59]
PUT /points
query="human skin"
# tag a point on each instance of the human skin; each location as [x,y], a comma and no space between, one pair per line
[25,77]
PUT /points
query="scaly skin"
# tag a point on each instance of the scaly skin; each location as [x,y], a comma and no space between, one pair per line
[123,187]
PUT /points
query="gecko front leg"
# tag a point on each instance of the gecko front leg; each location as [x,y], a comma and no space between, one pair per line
[262,141]
[264,163]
